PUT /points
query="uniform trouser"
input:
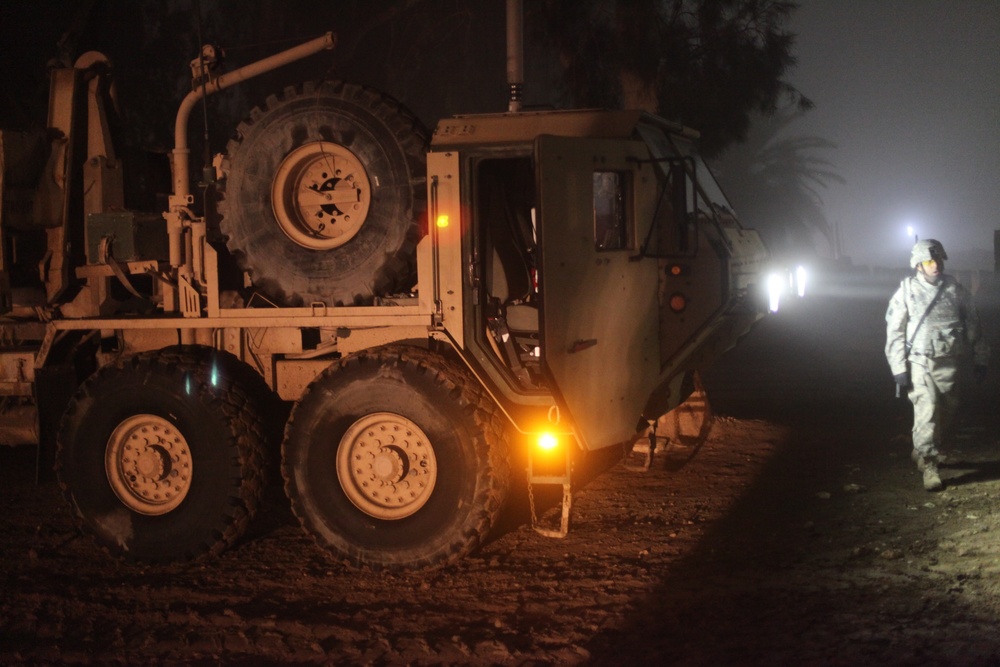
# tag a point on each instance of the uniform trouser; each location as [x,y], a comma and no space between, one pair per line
[935,401]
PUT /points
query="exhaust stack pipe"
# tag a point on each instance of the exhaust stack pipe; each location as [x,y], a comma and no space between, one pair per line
[515,54]
[186,241]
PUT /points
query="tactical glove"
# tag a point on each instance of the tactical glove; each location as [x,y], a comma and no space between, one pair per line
[979,373]
[902,379]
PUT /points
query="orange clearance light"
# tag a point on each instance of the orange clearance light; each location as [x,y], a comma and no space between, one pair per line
[547,442]
[678,302]
[676,270]
[442,221]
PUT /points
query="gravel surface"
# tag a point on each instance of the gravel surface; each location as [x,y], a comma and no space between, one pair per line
[797,532]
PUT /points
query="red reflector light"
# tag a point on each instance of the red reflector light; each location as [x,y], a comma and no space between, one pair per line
[678,302]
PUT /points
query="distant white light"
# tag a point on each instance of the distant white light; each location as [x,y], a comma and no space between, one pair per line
[800,280]
[775,286]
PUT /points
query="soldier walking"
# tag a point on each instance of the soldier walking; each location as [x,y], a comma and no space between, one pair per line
[931,328]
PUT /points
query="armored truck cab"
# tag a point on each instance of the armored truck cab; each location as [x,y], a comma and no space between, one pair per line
[585,262]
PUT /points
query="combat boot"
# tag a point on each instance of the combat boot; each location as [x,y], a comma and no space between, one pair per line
[932,480]
[921,462]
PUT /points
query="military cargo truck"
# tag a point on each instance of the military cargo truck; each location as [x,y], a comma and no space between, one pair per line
[440,311]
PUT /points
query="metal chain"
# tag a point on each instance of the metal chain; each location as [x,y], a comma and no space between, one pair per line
[531,501]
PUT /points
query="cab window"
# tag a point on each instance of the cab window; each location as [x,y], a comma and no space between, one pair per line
[611,215]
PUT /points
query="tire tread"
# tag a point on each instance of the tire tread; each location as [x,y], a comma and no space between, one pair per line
[493,451]
[247,432]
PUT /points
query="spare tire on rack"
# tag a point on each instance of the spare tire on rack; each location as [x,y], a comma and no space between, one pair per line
[323,194]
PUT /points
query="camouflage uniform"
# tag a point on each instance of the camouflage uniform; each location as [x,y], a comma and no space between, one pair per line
[941,344]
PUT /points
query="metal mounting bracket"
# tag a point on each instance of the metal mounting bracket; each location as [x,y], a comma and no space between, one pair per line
[561,477]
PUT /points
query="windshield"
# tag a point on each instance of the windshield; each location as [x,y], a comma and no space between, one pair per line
[707,185]
[663,148]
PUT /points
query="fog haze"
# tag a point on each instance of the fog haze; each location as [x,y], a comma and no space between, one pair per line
[909,91]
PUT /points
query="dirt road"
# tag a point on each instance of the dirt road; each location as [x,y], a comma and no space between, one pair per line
[797,533]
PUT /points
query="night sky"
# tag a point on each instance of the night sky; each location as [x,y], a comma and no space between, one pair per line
[909,90]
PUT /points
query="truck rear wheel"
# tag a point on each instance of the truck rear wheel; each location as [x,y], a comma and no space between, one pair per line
[160,455]
[322,195]
[394,458]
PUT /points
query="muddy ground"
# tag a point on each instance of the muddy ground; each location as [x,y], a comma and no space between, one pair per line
[796,533]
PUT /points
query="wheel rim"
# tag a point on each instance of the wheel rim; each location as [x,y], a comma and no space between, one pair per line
[149,465]
[386,466]
[320,195]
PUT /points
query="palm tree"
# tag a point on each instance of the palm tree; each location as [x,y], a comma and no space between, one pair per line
[774,183]
[709,64]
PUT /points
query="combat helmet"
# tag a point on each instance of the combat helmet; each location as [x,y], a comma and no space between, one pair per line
[926,250]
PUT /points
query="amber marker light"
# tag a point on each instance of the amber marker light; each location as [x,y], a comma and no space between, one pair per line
[547,442]
[442,221]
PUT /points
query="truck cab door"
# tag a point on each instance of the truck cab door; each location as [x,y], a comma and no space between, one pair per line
[599,314]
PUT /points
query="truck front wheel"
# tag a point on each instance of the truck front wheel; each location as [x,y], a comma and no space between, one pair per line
[160,455]
[394,458]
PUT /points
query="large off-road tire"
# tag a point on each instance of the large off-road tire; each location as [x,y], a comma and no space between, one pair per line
[160,455]
[269,409]
[323,195]
[395,458]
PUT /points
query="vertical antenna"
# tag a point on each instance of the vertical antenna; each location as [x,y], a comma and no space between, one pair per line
[515,54]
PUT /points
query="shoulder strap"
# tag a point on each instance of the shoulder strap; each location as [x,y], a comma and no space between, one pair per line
[937,295]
